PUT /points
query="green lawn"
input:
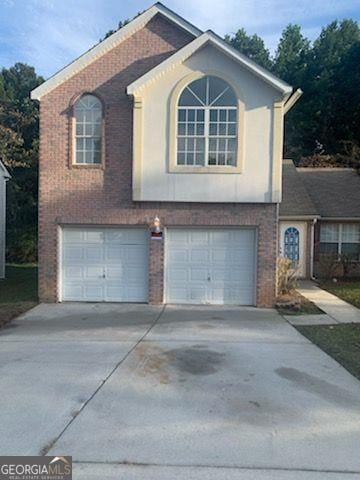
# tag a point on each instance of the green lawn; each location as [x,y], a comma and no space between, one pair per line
[341,342]
[348,290]
[18,292]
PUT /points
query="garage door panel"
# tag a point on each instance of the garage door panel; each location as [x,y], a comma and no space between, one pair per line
[93,273]
[73,273]
[73,291]
[178,255]
[73,253]
[134,274]
[93,292]
[199,255]
[214,266]
[93,253]
[198,237]
[100,265]
[199,274]
[178,275]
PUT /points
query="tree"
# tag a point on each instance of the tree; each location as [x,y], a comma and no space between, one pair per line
[110,32]
[318,104]
[291,57]
[252,46]
[19,125]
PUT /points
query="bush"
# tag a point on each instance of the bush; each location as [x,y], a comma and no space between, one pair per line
[22,247]
[287,275]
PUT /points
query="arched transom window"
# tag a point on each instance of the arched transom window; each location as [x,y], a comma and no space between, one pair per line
[88,126]
[207,124]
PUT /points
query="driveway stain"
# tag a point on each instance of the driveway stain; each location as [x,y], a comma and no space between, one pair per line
[159,364]
[317,386]
[151,361]
[195,360]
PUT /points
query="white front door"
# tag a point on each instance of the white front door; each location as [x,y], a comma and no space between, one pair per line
[210,265]
[104,264]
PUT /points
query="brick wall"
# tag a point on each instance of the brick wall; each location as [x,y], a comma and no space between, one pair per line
[102,196]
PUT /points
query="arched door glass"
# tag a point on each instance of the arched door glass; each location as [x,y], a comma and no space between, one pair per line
[291,244]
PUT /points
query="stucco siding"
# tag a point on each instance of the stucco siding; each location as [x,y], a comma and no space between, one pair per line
[253,184]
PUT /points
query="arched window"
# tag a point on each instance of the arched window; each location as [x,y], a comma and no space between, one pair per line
[207,124]
[88,126]
[292,244]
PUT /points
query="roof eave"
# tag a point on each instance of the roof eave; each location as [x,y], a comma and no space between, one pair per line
[108,44]
[188,50]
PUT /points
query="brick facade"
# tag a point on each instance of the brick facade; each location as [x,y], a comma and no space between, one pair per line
[97,195]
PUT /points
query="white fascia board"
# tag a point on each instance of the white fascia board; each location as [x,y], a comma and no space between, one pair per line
[3,171]
[189,49]
[108,44]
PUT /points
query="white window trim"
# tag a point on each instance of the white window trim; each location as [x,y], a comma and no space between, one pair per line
[173,166]
[74,137]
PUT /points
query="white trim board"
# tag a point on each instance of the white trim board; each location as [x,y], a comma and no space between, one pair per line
[4,173]
[108,44]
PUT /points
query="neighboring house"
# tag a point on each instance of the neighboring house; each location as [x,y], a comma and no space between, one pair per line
[320,215]
[160,170]
[4,177]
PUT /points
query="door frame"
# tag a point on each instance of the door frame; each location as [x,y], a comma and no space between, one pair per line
[301,226]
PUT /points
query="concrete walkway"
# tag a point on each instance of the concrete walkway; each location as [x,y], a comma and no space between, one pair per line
[142,392]
[338,310]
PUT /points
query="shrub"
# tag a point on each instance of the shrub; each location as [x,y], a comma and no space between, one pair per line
[22,247]
[287,275]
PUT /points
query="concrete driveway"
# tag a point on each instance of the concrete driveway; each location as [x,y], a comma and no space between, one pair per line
[139,392]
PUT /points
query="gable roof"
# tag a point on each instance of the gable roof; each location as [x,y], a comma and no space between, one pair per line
[209,37]
[3,172]
[109,43]
[334,191]
[296,201]
[320,192]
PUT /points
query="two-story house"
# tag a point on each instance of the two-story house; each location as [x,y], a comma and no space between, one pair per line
[160,170]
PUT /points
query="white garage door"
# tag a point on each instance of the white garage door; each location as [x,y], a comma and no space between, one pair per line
[105,265]
[215,266]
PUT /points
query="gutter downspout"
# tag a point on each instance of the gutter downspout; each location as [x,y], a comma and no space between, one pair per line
[294,97]
[312,248]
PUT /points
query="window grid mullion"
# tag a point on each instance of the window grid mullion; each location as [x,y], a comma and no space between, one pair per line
[206,134]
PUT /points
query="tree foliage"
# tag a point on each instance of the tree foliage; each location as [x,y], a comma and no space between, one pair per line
[19,126]
[251,46]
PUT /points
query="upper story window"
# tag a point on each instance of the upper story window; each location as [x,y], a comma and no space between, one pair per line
[207,124]
[88,130]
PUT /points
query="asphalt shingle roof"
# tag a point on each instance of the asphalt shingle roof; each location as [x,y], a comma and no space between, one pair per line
[328,192]
[334,191]
[295,199]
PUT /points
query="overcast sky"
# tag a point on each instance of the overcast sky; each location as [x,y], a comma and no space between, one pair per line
[48,34]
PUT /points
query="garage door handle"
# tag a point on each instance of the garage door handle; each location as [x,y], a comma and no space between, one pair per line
[209,279]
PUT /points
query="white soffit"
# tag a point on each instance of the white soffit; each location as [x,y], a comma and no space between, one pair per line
[108,44]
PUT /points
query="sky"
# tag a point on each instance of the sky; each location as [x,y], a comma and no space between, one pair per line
[48,34]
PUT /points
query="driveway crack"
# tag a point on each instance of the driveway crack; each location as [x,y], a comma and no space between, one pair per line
[51,443]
